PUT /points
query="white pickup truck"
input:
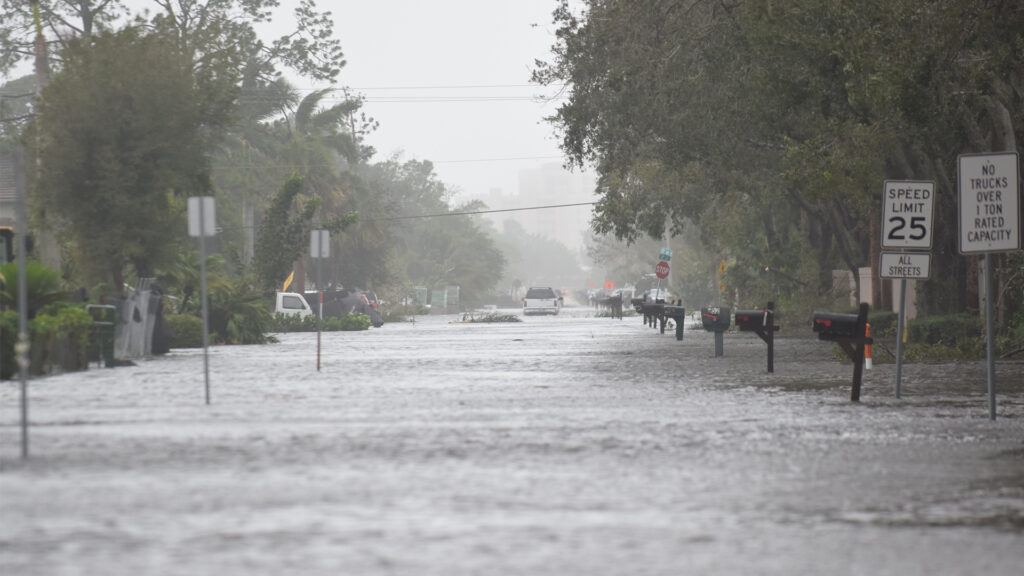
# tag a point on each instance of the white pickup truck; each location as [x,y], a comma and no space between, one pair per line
[541,300]
[291,304]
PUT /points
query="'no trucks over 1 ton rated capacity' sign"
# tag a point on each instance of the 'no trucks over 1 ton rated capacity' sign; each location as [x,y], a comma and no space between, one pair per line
[989,203]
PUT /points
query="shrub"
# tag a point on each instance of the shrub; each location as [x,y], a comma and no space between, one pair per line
[491,317]
[8,336]
[58,335]
[237,314]
[948,330]
[883,323]
[294,323]
[186,330]
[42,285]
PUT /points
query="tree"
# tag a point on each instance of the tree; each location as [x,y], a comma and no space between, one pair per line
[282,234]
[210,32]
[63,20]
[123,134]
[285,230]
[430,244]
[767,116]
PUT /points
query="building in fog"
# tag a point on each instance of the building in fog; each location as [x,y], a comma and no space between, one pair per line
[548,185]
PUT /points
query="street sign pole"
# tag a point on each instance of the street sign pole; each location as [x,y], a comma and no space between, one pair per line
[989,217]
[901,320]
[902,266]
[206,312]
[990,335]
[319,248]
[202,223]
[22,344]
[908,208]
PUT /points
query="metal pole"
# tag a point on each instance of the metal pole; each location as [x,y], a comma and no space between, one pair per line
[202,283]
[320,291]
[899,336]
[990,336]
[22,345]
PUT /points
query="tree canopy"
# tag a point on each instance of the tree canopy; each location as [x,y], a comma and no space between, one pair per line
[756,119]
[123,138]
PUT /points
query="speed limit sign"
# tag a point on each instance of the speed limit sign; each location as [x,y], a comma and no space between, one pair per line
[907,210]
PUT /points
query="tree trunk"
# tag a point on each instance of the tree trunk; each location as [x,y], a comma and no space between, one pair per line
[877,294]
[117,277]
[300,275]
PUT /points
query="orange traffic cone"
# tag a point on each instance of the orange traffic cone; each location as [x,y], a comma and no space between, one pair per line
[867,348]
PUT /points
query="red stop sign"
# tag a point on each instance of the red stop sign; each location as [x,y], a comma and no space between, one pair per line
[661,270]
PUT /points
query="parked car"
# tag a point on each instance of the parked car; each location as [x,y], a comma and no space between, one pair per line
[341,303]
[291,304]
[541,300]
[655,294]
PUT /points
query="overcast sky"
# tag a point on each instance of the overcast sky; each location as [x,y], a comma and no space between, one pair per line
[448,80]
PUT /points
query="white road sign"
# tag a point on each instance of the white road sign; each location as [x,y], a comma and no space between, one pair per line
[907,211]
[910,265]
[320,243]
[989,203]
[202,216]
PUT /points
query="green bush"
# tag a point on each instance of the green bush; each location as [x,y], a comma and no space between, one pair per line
[186,330]
[8,336]
[61,338]
[294,323]
[883,323]
[490,317]
[948,330]
[58,336]
[42,285]
[237,313]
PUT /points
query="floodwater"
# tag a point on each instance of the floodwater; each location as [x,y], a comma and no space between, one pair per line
[558,445]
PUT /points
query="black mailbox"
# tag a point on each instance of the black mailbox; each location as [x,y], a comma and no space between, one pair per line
[832,326]
[715,319]
[675,312]
[751,320]
[847,330]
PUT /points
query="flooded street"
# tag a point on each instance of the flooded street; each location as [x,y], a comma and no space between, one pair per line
[558,445]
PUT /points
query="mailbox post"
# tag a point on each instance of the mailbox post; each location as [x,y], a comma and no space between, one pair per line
[847,330]
[677,313]
[652,312]
[716,320]
[761,322]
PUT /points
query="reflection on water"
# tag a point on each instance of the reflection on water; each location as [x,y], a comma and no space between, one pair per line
[555,445]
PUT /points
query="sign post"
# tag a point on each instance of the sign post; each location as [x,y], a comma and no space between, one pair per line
[319,248]
[202,222]
[989,222]
[908,208]
[12,184]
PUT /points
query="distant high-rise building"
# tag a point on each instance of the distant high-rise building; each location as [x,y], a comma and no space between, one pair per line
[548,185]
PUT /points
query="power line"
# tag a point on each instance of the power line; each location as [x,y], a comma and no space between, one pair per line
[418,99]
[323,165]
[475,212]
[391,218]
[440,87]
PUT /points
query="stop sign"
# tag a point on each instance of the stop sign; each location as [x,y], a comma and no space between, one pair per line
[661,269]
